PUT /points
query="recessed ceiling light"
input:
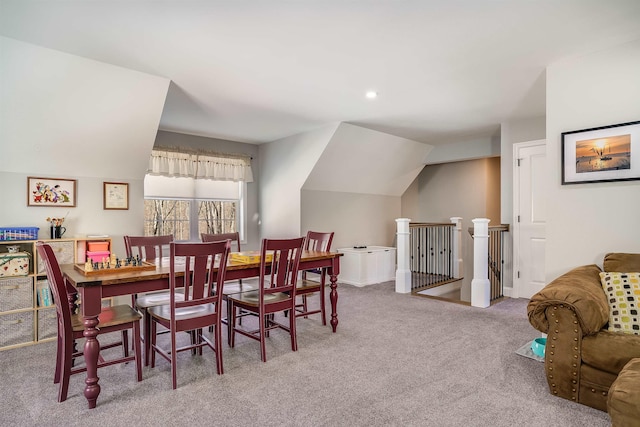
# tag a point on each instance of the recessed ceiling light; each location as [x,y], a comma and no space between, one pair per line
[372,94]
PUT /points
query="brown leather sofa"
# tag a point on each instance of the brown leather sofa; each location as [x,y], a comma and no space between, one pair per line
[582,358]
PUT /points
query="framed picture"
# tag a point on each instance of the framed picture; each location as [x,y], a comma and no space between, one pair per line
[51,192]
[116,195]
[607,153]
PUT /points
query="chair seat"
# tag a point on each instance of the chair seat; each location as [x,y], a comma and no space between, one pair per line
[308,286]
[164,311]
[236,288]
[157,298]
[252,298]
[110,316]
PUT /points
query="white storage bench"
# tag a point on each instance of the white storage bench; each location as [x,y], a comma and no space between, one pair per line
[366,266]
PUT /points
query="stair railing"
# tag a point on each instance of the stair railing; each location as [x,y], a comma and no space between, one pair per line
[488,262]
[429,254]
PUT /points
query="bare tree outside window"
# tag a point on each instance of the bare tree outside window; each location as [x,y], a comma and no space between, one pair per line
[164,217]
[215,217]
[167,216]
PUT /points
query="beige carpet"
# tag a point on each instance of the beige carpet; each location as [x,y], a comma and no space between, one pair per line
[396,360]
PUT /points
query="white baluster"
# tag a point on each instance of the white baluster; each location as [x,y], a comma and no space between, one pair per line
[403,272]
[457,247]
[480,286]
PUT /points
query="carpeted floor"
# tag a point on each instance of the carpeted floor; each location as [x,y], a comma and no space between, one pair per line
[526,351]
[396,360]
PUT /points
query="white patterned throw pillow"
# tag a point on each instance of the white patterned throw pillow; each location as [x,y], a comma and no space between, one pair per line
[623,295]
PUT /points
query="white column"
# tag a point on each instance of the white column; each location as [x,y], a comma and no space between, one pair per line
[457,247]
[403,270]
[480,286]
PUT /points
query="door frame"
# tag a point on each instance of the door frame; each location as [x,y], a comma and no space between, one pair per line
[515,211]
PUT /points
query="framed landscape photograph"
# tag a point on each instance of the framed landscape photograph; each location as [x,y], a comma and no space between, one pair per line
[116,195]
[608,153]
[51,192]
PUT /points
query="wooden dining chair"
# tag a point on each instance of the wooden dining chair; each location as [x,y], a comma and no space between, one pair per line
[234,237]
[148,248]
[315,241]
[276,292]
[71,327]
[233,287]
[199,306]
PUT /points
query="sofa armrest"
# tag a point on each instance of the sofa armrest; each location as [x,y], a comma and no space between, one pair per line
[581,291]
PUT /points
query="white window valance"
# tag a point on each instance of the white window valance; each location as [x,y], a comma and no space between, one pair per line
[220,167]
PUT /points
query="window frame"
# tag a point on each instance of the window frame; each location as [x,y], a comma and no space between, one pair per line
[194,233]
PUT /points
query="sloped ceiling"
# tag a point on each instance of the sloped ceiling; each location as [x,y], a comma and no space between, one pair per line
[257,71]
[66,116]
[360,160]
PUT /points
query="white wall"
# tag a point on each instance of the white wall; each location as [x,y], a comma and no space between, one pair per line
[88,217]
[59,110]
[365,161]
[512,132]
[340,178]
[64,116]
[284,166]
[356,218]
[588,220]
[476,148]
[467,189]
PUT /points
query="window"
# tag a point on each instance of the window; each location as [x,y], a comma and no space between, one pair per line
[189,193]
[167,216]
[217,216]
[178,217]
[186,207]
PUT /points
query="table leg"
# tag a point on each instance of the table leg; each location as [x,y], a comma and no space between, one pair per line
[72,298]
[147,337]
[333,296]
[90,310]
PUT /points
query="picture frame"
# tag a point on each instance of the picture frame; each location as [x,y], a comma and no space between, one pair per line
[601,154]
[51,192]
[116,196]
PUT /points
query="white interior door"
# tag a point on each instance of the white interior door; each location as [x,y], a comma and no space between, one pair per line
[530,215]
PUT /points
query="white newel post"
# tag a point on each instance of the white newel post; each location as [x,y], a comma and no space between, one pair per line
[480,286]
[403,270]
[457,247]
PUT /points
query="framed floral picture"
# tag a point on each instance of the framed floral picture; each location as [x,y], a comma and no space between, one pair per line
[51,192]
[116,195]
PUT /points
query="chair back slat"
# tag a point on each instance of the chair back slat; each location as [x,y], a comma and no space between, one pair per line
[317,241]
[233,237]
[147,247]
[203,283]
[283,268]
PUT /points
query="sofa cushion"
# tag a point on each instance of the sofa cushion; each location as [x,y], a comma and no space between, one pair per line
[623,402]
[609,351]
[623,296]
[618,261]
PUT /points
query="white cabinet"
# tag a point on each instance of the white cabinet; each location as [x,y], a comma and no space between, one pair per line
[366,266]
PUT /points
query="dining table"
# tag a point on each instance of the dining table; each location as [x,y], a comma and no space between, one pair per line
[92,288]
